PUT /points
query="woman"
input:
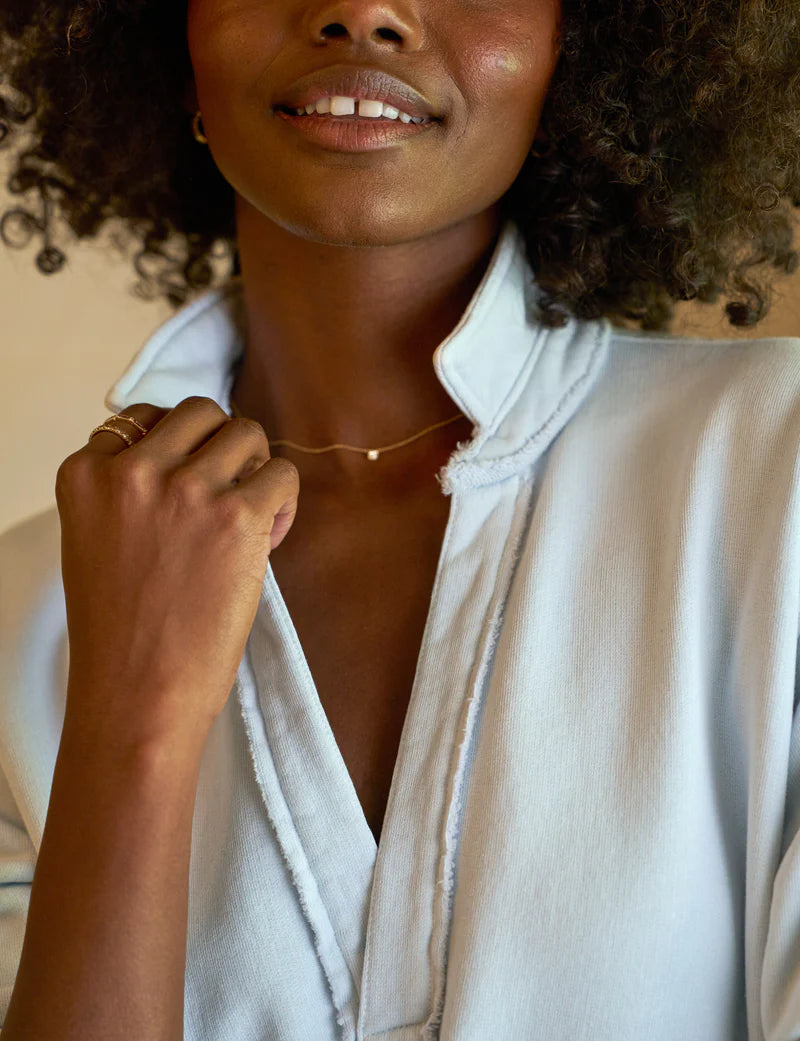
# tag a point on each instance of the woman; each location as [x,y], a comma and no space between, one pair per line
[500,743]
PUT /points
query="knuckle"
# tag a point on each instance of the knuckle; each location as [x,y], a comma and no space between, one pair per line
[251,427]
[188,485]
[134,472]
[234,513]
[198,403]
[73,467]
[285,471]
[74,472]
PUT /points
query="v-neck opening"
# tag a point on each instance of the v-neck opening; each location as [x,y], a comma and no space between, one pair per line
[379,911]
[312,780]
[275,597]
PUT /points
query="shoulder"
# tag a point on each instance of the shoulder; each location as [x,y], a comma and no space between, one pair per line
[737,357]
[754,382]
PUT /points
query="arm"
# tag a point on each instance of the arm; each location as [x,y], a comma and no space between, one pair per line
[177,529]
[105,945]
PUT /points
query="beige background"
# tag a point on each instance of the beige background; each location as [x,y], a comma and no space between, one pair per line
[67,337]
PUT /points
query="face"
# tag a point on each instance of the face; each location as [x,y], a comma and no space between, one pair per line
[484,65]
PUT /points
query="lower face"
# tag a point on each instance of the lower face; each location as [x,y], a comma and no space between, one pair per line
[358,180]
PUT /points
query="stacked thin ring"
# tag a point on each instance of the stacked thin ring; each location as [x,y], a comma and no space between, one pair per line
[120,433]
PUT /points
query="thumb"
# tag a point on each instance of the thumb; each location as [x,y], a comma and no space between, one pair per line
[284,519]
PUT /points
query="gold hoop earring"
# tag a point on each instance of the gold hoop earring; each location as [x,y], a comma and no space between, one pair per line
[198,133]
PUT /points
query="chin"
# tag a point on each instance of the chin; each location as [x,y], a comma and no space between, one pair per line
[356,225]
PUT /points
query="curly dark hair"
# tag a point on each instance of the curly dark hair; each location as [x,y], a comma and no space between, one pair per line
[672,126]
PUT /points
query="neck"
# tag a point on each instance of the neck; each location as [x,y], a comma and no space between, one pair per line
[339,342]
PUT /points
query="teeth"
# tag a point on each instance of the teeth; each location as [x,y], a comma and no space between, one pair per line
[373,109]
[341,106]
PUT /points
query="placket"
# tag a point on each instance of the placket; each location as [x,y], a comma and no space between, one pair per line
[380,916]
[408,928]
[309,797]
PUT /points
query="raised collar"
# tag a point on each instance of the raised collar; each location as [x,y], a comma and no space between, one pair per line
[508,373]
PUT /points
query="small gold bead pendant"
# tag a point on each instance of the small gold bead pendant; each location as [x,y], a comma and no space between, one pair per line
[373,453]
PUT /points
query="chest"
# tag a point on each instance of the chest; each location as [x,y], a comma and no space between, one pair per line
[358,588]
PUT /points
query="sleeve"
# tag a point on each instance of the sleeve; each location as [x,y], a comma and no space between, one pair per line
[17,863]
[779,985]
[32,624]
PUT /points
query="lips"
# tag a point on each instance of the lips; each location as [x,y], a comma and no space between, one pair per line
[354,134]
[349,81]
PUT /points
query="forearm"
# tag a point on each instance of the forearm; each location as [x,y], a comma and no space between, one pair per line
[104,953]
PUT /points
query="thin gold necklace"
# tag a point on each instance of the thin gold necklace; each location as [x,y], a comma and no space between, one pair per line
[370,453]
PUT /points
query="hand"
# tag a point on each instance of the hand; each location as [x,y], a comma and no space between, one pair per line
[164,548]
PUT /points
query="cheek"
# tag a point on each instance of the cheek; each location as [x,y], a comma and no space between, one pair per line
[229,41]
[510,64]
[507,93]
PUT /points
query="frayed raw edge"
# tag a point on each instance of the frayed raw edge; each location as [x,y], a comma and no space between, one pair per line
[463,451]
[473,713]
[464,472]
[430,1031]
[341,1020]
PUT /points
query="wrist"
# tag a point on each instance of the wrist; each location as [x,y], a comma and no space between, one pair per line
[131,744]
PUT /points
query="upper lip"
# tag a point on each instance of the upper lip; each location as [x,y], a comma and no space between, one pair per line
[349,81]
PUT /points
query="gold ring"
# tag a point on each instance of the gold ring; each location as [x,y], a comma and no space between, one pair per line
[113,430]
[129,419]
[120,433]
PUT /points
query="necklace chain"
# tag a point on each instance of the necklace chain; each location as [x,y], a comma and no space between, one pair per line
[370,453]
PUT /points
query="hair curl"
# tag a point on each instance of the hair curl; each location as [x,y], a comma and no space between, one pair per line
[672,127]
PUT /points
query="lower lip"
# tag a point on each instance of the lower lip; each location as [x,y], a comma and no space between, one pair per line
[354,134]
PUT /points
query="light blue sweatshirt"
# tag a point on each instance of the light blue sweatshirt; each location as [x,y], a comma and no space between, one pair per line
[592,829]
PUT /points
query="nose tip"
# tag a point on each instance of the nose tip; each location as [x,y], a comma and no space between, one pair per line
[336,29]
[366,22]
